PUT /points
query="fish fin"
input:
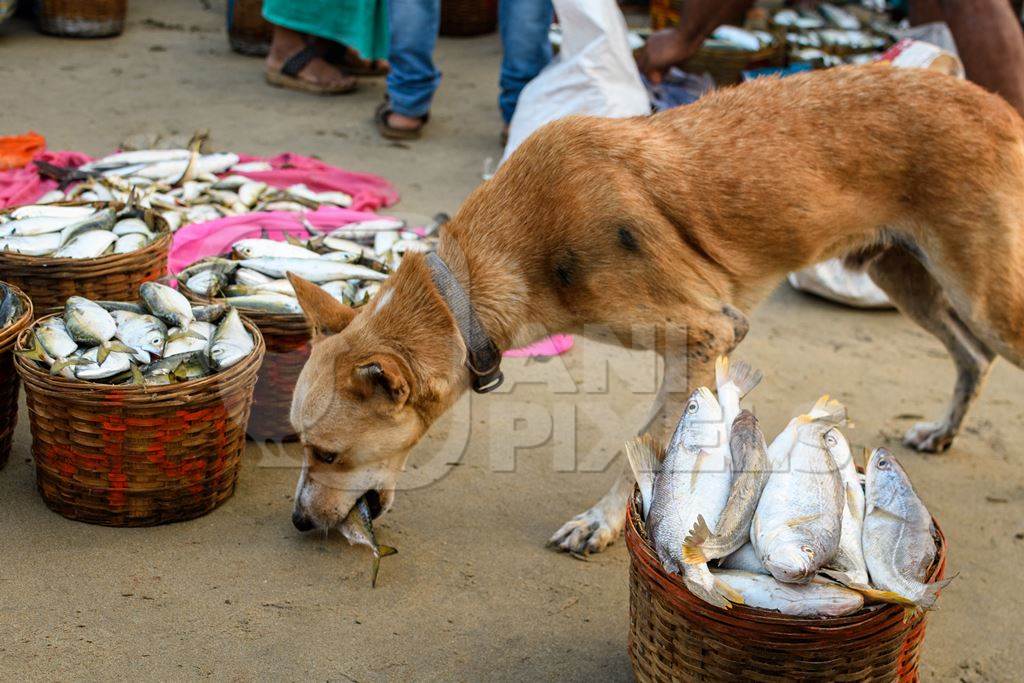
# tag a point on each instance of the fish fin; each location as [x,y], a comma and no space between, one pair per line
[931,593]
[877,595]
[137,377]
[101,353]
[120,347]
[742,374]
[382,551]
[731,594]
[59,365]
[842,577]
[35,353]
[804,519]
[827,410]
[185,334]
[644,455]
[386,550]
[693,553]
[712,597]
[293,240]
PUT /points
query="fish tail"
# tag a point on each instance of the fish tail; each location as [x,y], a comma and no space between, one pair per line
[827,410]
[693,552]
[381,551]
[931,593]
[884,596]
[709,595]
[645,454]
[745,377]
[731,594]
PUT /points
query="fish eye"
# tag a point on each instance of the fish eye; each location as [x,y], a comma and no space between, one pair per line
[691,407]
[831,440]
[883,464]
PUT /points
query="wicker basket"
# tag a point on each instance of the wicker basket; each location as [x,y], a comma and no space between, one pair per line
[125,455]
[727,66]
[9,378]
[81,18]
[675,636]
[248,32]
[287,338]
[116,277]
[468,17]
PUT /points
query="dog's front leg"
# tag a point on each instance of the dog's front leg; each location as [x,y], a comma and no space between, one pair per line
[689,363]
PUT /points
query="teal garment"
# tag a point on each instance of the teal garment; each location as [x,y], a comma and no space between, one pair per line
[360,24]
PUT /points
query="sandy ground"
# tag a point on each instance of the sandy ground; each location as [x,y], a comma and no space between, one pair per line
[473,594]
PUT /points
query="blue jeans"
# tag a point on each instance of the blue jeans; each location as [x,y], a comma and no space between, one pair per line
[413,78]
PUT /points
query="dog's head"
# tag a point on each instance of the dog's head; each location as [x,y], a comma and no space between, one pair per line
[359,405]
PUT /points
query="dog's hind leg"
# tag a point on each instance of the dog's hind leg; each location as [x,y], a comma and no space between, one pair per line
[917,295]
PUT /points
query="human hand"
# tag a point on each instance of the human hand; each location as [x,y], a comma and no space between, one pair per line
[663,49]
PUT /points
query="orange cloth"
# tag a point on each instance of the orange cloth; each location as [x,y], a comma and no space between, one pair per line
[18,150]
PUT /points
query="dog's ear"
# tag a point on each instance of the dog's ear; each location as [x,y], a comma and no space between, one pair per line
[385,373]
[326,314]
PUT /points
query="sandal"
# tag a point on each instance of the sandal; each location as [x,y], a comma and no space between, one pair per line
[350,62]
[390,132]
[288,76]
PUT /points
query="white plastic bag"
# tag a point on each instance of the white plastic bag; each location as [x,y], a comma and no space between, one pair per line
[594,72]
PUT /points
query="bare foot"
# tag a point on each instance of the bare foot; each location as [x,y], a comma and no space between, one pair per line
[287,43]
[403,122]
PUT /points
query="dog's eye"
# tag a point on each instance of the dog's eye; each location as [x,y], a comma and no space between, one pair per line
[325,457]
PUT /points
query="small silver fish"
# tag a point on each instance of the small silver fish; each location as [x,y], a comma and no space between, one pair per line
[849,557]
[899,545]
[101,220]
[819,598]
[31,245]
[251,278]
[231,341]
[357,527]
[132,226]
[208,282]
[45,210]
[87,322]
[114,363]
[315,270]
[196,337]
[92,244]
[267,248]
[797,523]
[37,225]
[167,304]
[145,334]
[268,302]
[126,244]
[751,471]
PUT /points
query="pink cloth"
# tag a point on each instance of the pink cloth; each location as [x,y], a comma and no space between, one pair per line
[555,345]
[369,192]
[214,238]
[24,185]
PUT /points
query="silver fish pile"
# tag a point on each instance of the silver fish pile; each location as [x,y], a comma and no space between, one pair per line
[11,307]
[75,232]
[349,263]
[185,186]
[789,526]
[162,340]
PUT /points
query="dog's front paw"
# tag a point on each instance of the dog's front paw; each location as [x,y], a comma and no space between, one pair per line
[929,437]
[588,532]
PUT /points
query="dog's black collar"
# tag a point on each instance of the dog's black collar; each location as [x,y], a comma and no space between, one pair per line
[483,358]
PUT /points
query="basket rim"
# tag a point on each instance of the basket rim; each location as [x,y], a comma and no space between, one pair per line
[9,335]
[31,372]
[641,553]
[68,268]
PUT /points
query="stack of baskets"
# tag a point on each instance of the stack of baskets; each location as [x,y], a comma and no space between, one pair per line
[8,377]
[116,277]
[287,338]
[248,32]
[675,636]
[81,18]
[127,455]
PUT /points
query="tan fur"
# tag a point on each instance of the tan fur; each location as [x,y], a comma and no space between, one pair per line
[680,221]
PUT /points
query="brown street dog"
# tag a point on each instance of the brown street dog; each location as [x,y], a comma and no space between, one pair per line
[683,221]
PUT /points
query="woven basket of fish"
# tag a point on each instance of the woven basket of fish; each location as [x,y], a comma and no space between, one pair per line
[730,51]
[138,410]
[348,263]
[81,18]
[248,32]
[99,250]
[15,316]
[751,561]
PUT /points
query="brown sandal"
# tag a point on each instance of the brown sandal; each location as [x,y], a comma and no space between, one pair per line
[288,75]
[350,62]
[390,132]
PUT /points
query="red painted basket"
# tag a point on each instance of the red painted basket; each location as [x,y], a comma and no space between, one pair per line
[8,377]
[674,636]
[125,455]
